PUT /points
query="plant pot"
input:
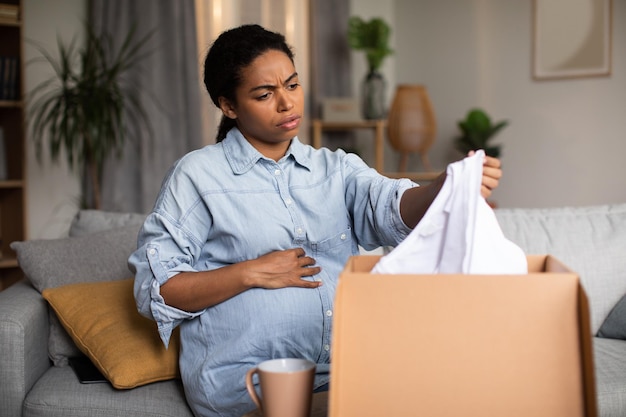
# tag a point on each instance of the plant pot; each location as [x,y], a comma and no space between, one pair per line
[373,91]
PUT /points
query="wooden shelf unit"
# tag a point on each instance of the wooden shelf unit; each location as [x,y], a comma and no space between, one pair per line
[12,122]
[377,126]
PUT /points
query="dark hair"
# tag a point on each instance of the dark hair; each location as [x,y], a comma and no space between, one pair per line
[231,52]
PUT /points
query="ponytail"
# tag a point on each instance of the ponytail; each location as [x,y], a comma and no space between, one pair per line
[225,125]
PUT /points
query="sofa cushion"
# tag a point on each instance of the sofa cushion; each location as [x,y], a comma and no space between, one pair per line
[610,372]
[103,321]
[589,240]
[614,327]
[58,393]
[90,221]
[51,263]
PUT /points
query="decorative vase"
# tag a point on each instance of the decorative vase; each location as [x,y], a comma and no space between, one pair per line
[373,96]
[411,124]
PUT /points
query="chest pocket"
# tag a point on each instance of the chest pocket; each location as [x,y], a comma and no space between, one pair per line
[342,241]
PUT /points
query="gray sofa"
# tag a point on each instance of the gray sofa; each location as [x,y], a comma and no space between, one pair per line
[34,381]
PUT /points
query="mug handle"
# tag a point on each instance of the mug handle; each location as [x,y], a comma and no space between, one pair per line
[250,387]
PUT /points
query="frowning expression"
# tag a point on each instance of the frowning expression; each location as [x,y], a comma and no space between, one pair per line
[269,102]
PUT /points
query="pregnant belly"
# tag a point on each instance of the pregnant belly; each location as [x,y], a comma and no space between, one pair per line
[269,323]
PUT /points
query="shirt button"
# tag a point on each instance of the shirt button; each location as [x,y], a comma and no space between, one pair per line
[329,313]
[288,201]
[152,251]
[343,236]
[326,348]
[299,231]
[277,172]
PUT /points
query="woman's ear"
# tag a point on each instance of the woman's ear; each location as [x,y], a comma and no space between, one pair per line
[227,108]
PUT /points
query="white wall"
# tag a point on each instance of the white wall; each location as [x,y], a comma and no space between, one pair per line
[565,144]
[52,191]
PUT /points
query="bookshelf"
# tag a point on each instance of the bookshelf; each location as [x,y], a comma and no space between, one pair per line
[12,140]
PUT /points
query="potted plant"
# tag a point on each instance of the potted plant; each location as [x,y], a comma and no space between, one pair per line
[81,109]
[371,37]
[476,132]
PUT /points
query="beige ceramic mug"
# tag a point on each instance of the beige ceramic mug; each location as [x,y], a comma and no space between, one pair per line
[286,387]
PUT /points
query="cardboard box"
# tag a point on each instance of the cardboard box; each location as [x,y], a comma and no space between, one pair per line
[461,345]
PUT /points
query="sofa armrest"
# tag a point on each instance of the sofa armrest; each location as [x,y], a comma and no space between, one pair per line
[23,344]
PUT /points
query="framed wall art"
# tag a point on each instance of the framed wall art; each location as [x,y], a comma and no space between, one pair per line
[571,38]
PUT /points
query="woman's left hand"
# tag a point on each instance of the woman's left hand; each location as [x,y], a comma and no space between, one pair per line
[491,176]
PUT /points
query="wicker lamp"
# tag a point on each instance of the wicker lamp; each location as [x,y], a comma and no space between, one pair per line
[411,125]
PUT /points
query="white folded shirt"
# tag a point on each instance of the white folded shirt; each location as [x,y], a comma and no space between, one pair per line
[459,232]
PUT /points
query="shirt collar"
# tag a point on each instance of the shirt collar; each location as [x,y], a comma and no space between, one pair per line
[242,156]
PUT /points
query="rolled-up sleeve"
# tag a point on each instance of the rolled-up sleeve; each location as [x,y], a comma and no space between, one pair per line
[374,203]
[157,259]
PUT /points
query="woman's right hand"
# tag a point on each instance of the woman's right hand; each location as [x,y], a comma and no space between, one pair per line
[282,269]
[193,291]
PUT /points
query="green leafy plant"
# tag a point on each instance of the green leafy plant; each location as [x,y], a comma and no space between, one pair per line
[81,109]
[476,132]
[372,37]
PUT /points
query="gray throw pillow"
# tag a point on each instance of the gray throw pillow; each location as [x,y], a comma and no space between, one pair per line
[91,221]
[614,327]
[50,263]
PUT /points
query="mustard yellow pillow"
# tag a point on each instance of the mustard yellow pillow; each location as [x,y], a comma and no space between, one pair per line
[102,319]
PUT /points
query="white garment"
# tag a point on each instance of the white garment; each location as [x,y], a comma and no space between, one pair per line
[459,232]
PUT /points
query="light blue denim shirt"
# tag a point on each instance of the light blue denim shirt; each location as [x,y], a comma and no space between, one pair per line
[227,203]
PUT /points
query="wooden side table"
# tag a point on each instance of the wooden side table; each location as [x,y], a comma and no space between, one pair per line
[418,177]
[378,126]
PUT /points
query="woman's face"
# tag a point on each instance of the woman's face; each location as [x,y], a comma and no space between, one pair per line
[270,103]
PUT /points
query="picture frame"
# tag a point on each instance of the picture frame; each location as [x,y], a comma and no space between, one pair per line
[571,39]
